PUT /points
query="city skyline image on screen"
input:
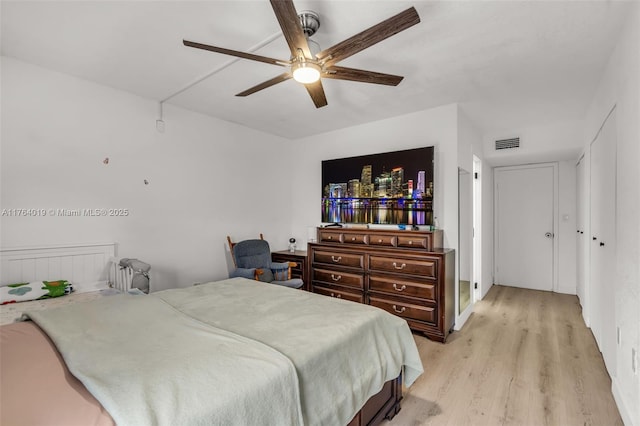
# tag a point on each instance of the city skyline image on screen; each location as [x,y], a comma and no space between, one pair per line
[387,188]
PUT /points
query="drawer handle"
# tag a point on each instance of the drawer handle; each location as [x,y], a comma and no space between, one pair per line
[330,237]
[336,259]
[338,278]
[353,238]
[395,308]
[395,286]
[402,266]
[380,241]
[410,243]
[336,296]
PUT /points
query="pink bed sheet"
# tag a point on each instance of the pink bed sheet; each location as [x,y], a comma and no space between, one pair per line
[35,385]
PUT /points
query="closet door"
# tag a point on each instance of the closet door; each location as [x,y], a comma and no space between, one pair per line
[582,240]
[602,242]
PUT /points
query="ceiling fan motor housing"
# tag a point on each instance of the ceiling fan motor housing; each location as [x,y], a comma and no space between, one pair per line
[310,22]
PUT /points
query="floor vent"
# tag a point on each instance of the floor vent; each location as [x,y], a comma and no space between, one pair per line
[508,143]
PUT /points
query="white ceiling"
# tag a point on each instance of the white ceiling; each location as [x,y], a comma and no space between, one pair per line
[510,64]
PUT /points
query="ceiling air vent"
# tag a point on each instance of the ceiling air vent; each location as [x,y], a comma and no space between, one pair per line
[508,143]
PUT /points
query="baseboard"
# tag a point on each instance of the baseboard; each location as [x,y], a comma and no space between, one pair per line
[566,290]
[622,407]
[462,319]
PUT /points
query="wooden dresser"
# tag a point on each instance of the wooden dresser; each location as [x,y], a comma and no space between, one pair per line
[403,272]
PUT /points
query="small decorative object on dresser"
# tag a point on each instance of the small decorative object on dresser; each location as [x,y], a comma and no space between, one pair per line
[403,272]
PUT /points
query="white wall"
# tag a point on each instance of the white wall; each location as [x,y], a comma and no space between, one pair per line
[470,143]
[435,127]
[620,87]
[566,227]
[207,178]
[548,142]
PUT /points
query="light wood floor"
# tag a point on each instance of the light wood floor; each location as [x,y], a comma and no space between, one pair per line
[524,357]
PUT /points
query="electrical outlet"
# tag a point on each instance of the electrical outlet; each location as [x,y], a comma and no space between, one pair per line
[634,361]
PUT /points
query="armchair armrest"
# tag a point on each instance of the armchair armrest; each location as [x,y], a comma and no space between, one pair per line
[282,270]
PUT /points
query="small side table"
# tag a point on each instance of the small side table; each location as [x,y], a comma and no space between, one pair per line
[299,256]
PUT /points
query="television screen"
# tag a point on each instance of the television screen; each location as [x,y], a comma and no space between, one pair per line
[387,188]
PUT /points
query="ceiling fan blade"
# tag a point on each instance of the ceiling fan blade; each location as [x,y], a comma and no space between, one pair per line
[317,93]
[265,84]
[369,37]
[352,74]
[237,53]
[291,28]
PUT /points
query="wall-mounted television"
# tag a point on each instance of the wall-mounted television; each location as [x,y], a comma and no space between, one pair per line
[387,188]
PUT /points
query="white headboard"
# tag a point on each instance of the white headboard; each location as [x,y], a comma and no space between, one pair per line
[85,265]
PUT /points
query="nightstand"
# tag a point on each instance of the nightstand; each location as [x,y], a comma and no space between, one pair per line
[299,256]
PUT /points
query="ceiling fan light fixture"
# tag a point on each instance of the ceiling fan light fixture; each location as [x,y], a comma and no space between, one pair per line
[306,72]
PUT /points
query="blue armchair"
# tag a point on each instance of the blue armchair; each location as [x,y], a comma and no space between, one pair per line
[252,259]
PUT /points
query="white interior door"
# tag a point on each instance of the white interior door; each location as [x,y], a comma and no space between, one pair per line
[477,228]
[602,242]
[582,240]
[524,226]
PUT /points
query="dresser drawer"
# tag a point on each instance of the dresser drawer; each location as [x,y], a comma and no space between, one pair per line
[382,240]
[339,293]
[338,277]
[330,236]
[426,267]
[416,242]
[400,287]
[354,238]
[353,260]
[427,313]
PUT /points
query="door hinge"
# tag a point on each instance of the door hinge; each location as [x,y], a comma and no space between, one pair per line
[475,175]
[475,286]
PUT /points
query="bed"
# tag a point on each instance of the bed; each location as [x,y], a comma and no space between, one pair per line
[229,352]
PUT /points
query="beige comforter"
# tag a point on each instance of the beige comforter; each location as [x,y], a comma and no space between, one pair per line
[343,351]
[234,352]
[149,364]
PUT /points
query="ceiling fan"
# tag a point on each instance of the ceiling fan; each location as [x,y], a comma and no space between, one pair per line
[308,68]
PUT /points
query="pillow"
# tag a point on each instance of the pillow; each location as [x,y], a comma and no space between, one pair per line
[23,292]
